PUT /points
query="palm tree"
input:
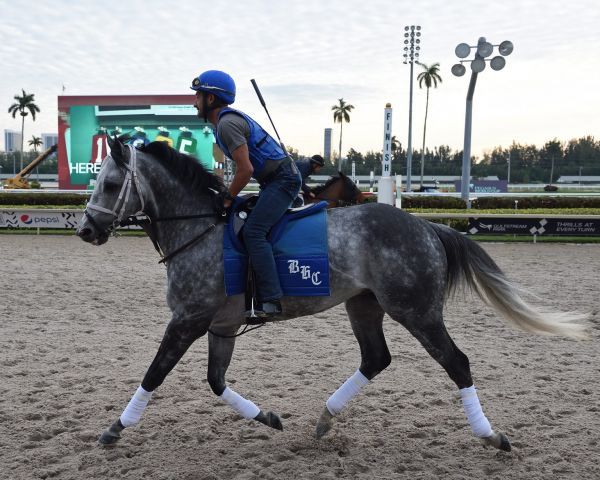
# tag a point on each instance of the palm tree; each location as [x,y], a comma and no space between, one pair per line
[396,146]
[35,142]
[23,103]
[341,113]
[430,76]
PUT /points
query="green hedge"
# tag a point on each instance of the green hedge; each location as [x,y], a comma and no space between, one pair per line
[71,199]
[537,202]
[433,202]
[491,203]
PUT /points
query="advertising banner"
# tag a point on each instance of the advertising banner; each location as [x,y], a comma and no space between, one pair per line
[85,121]
[533,226]
[41,218]
[484,186]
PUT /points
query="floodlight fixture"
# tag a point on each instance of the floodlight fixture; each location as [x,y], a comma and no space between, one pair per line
[411,55]
[478,65]
[485,49]
[497,63]
[505,48]
[462,50]
[458,70]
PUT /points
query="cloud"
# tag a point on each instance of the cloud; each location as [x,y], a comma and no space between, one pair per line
[307,93]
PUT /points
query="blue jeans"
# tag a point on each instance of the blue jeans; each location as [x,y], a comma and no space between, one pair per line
[273,201]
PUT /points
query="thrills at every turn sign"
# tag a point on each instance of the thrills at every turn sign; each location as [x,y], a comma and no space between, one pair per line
[533,226]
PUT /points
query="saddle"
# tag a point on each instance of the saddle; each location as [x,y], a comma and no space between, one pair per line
[299,242]
[242,208]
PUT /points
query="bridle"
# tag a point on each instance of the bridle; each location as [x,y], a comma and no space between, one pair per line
[131,178]
[141,218]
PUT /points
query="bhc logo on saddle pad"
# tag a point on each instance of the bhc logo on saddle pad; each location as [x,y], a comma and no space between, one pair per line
[299,243]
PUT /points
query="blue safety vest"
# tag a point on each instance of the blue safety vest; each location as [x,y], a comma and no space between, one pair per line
[261,146]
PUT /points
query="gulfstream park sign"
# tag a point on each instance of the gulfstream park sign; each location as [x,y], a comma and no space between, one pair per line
[533,226]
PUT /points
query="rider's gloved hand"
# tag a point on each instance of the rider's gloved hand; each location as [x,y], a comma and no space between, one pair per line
[223,202]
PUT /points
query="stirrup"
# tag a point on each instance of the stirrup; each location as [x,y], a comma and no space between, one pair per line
[264,310]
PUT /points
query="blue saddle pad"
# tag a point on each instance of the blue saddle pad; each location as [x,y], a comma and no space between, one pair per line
[300,249]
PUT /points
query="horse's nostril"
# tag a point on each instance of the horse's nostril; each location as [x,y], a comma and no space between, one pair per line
[84,232]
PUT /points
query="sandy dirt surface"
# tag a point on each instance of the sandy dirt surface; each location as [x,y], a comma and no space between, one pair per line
[79,325]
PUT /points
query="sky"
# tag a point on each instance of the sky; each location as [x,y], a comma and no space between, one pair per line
[307,54]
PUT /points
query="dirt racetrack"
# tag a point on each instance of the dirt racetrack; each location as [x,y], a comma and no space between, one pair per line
[79,325]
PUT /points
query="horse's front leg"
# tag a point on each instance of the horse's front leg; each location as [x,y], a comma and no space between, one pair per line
[220,350]
[180,334]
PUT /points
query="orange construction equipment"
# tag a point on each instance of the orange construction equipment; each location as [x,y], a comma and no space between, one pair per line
[20,179]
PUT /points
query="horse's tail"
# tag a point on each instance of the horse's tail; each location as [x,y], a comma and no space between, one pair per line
[469,264]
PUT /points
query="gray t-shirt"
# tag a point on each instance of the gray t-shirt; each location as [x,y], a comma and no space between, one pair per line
[233,130]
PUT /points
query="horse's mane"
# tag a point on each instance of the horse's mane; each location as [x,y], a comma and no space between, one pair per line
[348,183]
[321,188]
[184,167]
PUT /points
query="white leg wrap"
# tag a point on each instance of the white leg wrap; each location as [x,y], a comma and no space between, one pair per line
[346,392]
[244,407]
[479,423]
[134,409]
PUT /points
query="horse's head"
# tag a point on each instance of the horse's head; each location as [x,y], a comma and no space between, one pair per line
[338,191]
[116,195]
[350,193]
[355,195]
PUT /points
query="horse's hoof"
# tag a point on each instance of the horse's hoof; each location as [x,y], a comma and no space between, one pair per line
[498,440]
[324,424]
[108,438]
[270,419]
[112,435]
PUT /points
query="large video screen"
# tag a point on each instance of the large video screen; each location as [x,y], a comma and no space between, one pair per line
[85,121]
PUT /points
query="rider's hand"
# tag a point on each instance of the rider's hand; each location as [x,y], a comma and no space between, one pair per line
[223,202]
[311,195]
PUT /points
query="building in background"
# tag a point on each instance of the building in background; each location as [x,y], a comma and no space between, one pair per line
[327,144]
[49,139]
[12,141]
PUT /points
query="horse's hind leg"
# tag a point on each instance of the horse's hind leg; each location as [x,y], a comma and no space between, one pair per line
[431,332]
[366,318]
[220,349]
[178,337]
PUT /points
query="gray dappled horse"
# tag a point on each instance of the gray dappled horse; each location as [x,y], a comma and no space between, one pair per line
[429,261]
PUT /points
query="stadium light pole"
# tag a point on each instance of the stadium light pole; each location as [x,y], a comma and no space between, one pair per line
[483,49]
[411,55]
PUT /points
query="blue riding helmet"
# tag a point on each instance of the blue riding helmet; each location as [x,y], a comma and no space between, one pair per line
[220,84]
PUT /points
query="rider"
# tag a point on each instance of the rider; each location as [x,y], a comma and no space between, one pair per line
[306,169]
[256,154]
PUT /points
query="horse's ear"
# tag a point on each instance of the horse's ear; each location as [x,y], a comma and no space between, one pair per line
[117,149]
